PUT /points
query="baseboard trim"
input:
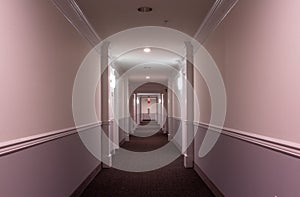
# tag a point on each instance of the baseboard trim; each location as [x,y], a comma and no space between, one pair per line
[86,182]
[207,181]
[122,142]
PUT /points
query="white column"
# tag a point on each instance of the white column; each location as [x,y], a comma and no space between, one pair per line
[189,94]
[158,110]
[184,109]
[170,111]
[126,110]
[105,110]
[164,113]
[138,109]
[116,113]
[134,109]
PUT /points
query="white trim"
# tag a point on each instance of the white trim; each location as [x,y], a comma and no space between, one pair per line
[148,94]
[215,16]
[108,122]
[26,142]
[287,147]
[207,18]
[75,16]
[214,189]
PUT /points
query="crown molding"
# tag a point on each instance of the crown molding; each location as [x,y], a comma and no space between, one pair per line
[117,67]
[75,16]
[215,16]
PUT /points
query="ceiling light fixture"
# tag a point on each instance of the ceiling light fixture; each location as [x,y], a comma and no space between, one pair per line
[147,50]
[147,77]
[144,9]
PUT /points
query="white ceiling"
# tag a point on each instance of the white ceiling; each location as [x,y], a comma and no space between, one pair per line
[111,16]
[156,72]
[157,57]
[158,65]
[167,51]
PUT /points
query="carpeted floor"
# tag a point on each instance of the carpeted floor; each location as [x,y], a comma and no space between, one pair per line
[171,180]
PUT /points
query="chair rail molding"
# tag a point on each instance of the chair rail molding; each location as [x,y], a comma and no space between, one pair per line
[30,141]
[75,16]
[283,146]
[215,16]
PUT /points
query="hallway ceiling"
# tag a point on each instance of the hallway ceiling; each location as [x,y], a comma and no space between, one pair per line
[139,58]
[159,65]
[126,51]
[111,16]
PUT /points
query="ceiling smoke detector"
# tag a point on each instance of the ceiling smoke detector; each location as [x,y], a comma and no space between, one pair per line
[144,9]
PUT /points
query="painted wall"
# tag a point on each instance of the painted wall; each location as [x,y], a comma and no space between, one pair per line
[55,168]
[259,60]
[40,53]
[256,49]
[238,168]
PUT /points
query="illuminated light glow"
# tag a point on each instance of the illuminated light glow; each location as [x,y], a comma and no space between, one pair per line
[147,50]
[179,83]
[147,77]
[112,81]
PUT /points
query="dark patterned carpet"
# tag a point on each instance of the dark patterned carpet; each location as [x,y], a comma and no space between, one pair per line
[171,180]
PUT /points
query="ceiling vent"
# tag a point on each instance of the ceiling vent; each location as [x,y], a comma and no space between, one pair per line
[144,9]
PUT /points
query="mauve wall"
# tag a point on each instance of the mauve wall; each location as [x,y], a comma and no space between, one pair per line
[256,48]
[238,168]
[55,168]
[40,53]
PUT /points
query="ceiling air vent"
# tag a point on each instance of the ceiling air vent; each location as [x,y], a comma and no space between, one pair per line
[144,9]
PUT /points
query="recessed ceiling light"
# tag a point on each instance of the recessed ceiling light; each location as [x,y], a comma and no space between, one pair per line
[147,50]
[144,9]
[147,77]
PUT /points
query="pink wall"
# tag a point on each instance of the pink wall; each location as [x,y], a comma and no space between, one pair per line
[257,49]
[40,53]
[202,94]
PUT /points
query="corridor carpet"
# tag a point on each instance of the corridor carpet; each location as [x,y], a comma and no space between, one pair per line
[171,180]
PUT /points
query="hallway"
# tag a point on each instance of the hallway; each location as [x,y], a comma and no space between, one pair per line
[171,180]
[86,84]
